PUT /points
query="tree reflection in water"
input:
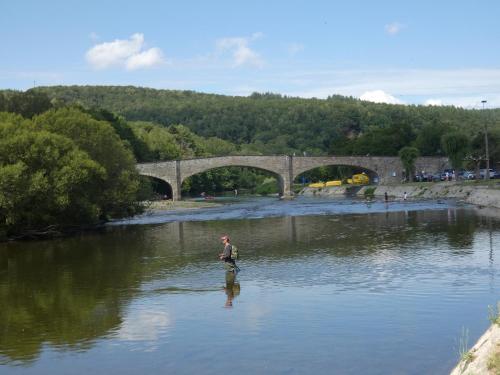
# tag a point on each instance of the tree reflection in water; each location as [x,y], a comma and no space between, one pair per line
[71,292]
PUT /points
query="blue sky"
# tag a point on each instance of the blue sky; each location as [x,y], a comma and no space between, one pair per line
[419,52]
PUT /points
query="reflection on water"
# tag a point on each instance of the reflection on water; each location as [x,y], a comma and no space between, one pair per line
[377,292]
[232,288]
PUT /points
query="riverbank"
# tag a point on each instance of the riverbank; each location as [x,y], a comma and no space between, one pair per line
[484,356]
[482,195]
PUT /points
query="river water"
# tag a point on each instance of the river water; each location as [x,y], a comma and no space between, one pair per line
[326,286]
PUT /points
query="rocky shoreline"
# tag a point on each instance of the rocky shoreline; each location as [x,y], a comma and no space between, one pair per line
[476,194]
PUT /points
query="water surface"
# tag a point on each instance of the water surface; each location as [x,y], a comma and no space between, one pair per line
[326,286]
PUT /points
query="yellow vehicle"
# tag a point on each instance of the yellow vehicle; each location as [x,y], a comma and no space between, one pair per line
[360,179]
[333,183]
[317,185]
[349,181]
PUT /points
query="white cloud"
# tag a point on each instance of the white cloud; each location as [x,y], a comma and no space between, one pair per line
[461,87]
[146,59]
[124,52]
[240,51]
[436,102]
[144,326]
[295,48]
[393,28]
[379,96]
[469,102]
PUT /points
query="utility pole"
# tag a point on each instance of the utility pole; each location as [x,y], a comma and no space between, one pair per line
[486,148]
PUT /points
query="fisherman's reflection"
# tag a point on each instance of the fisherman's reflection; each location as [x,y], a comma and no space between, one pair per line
[232,288]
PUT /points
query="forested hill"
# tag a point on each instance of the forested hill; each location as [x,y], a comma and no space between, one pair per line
[269,123]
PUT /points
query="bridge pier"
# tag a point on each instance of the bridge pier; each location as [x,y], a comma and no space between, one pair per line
[176,191]
[286,178]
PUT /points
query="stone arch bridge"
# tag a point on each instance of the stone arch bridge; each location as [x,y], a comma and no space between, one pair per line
[385,169]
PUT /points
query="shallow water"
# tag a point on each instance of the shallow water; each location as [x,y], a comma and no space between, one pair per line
[326,286]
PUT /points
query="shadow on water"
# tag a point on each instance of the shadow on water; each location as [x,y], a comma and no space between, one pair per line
[70,293]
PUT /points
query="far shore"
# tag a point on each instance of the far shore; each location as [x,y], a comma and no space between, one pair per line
[476,193]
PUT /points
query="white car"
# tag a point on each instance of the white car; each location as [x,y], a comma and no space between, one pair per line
[482,173]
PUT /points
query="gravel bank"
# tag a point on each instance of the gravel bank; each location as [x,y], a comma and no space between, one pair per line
[480,195]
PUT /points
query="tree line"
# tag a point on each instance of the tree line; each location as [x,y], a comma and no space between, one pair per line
[276,124]
[67,153]
[65,166]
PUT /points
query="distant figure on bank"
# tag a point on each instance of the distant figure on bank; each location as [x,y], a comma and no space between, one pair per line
[386,197]
[405,196]
[227,254]
[235,192]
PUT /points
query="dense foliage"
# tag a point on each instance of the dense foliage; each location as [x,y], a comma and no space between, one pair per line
[273,124]
[62,169]
[408,157]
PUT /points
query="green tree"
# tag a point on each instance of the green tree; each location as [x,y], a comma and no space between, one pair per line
[159,142]
[45,180]
[214,146]
[408,156]
[455,146]
[28,103]
[100,141]
[428,140]
[124,131]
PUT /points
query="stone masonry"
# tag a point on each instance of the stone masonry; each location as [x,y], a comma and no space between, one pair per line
[381,169]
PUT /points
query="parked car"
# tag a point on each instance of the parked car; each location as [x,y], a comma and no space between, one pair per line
[468,175]
[482,173]
[422,177]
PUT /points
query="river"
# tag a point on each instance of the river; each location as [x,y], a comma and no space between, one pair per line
[326,286]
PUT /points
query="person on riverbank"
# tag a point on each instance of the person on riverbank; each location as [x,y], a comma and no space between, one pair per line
[405,196]
[229,262]
[386,197]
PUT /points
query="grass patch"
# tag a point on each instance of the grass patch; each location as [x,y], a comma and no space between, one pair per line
[422,191]
[494,314]
[296,188]
[494,362]
[370,191]
[466,356]
[268,186]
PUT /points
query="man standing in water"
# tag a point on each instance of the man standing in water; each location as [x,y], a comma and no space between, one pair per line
[229,263]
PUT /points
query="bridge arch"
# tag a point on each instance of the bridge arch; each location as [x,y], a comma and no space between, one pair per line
[372,174]
[277,175]
[160,187]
